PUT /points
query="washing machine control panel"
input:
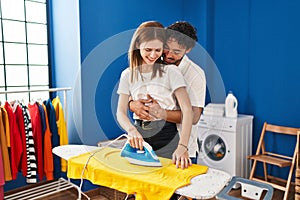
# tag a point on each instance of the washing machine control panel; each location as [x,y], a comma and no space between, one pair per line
[218,123]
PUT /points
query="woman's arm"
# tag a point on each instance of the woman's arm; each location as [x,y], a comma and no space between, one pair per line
[135,139]
[181,156]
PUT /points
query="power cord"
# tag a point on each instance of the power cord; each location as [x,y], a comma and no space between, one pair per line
[86,163]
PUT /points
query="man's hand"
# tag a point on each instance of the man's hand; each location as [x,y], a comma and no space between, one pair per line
[147,109]
[140,108]
[156,111]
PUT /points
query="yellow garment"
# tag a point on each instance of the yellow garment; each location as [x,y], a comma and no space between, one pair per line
[107,168]
[6,125]
[4,150]
[61,127]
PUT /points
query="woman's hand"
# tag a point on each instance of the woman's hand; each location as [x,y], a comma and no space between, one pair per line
[135,139]
[181,157]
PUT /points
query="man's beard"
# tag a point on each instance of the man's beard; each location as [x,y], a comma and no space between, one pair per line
[174,62]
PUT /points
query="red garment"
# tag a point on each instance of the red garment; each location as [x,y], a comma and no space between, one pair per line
[16,146]
[37,136]
[21,126]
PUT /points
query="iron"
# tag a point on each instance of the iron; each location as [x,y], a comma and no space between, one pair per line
[145,157]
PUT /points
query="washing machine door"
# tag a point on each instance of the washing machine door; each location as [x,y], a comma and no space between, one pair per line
[213,148]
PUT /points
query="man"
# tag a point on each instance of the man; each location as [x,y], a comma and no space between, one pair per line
[181,38]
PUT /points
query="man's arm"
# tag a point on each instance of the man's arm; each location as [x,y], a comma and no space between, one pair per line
[140,108]
[154,110]
[174,116]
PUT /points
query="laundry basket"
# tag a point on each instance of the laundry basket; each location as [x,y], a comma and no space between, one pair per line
[297,175]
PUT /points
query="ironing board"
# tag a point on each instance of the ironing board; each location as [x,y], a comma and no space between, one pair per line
[204,186]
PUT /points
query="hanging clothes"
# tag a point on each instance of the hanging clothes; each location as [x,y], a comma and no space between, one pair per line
[37,136]
[62,128]
[16,149]
[48,155]
[21,129]
[27,135]
[55,137]
[2,178]
[4,148]
[43,120]
[6,125]
[31,176]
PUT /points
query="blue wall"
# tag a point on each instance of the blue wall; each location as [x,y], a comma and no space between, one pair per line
[106,31]
[248,40]
[255,48]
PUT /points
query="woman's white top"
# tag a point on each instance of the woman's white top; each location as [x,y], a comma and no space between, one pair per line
[160,88]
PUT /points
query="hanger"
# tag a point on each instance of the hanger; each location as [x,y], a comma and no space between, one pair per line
[32,101]
[39,100]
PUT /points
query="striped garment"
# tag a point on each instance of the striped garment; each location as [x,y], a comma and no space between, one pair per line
[31,159]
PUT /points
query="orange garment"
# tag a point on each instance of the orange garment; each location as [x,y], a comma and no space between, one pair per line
[108,168]
[61,127]
[4,148]
[48,156]
[6,125]
[2,179]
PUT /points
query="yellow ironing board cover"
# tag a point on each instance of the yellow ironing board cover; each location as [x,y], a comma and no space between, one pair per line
[107,168]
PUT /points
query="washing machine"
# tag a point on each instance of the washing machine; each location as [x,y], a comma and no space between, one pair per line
[225,143]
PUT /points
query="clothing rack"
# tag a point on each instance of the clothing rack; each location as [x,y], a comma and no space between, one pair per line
[52,187]
[65,89]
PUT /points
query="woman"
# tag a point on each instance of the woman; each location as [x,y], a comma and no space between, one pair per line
[147,75]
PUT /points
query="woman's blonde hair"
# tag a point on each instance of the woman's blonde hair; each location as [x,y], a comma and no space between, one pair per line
[147,31]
